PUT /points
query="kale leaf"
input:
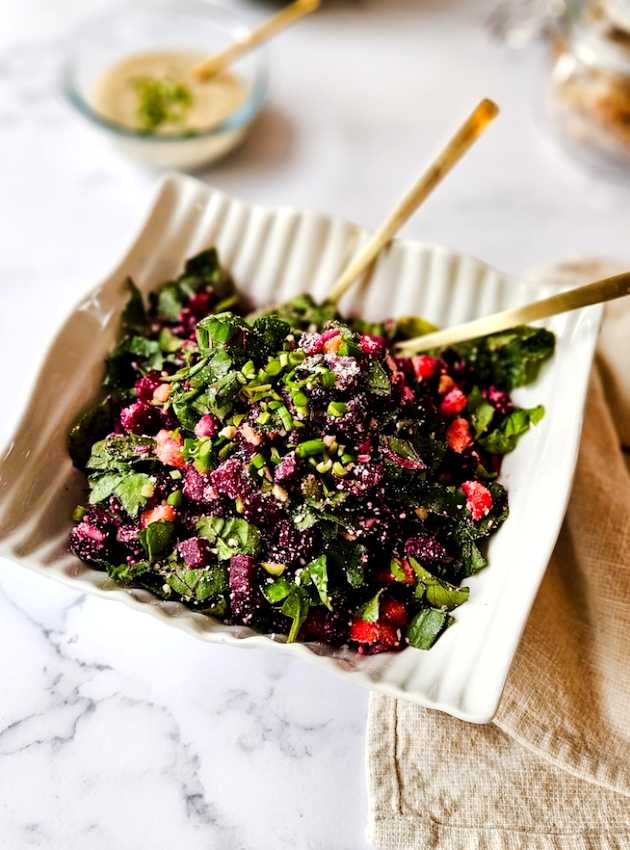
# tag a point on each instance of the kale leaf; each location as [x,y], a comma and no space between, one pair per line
[127,573]
[437,592]
[232,536]
[427,626]
[198,584]
[118,452]
[509,359]
[155,538]
[504,439]
[370,610]
[296,607]
[94,424]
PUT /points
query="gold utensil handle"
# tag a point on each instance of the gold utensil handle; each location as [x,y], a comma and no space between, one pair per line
[582,296]
[213,64]
[467,134]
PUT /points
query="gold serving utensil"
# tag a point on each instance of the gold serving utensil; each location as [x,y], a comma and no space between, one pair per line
[467,134]
[581,296]
[294,11]
[485,111]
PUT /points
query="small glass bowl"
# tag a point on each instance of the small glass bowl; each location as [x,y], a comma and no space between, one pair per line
[101,41]
[589,94]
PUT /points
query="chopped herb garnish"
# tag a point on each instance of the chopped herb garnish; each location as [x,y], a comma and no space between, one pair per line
[161,101]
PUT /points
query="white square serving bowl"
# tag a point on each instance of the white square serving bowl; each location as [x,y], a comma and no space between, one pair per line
[274,254]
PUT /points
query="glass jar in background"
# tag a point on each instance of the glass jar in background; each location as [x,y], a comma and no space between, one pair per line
[590,82]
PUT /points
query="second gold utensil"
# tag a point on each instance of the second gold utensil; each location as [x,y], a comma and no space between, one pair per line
[582,296]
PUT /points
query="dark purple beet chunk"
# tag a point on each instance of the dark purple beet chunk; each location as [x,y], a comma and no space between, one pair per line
[198,487]
[199,304]
[352,425]
[326,626]
[427,549]
[140,418]
[127,539]
[289,545]
[364,477]
[263,511]
[499,399]
[147,385]
[91,539]
[195,551]
[287,468]
[231,479]
[245,598]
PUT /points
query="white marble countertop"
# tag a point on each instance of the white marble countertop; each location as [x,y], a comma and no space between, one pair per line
[116,732]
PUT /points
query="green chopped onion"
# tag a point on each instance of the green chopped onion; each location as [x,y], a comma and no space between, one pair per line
[273,368]
[338,470]
[337,408]
[346,458]
[296,357]
[310,447]
[78,513]
[328,379]
[226,449]
[249,369]
[175,498]
[324,465]
[263,417]
[285,418]
[299,399]
[272,568]
[226,303]
[257,461]
[257,388]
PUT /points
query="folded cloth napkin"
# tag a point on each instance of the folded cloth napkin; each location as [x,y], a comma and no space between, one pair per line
[552,772]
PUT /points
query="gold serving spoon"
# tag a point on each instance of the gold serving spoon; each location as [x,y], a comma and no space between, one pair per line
[214,64]
[572,299]
[467,134]
[485,111]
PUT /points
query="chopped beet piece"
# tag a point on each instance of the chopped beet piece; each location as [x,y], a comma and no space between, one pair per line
[231,479]
[427,549]
[245,597]
[140,418]
[499,399]
[147,385]
[287,468]
[206,427]
[195,551]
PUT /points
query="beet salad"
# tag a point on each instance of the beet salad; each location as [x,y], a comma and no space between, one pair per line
[290,472]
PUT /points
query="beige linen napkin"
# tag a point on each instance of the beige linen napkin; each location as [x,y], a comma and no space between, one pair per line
[552,772]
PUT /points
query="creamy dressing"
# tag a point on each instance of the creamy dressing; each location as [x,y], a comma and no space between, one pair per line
[115,94]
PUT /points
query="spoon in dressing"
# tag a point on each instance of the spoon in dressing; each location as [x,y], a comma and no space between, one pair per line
[214,64]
